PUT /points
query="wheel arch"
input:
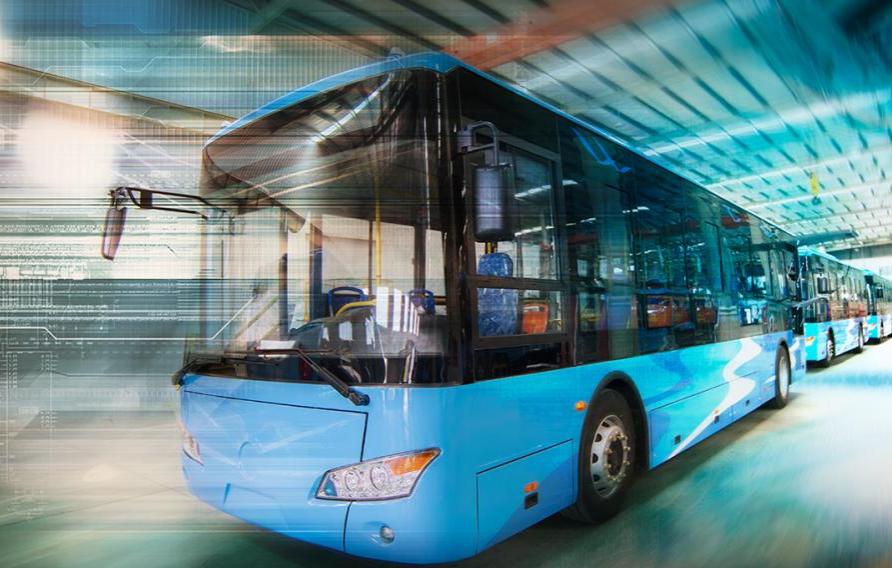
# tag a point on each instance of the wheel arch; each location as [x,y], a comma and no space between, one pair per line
[623,384]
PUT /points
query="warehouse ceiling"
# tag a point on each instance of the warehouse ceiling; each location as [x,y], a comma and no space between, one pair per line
[779,105]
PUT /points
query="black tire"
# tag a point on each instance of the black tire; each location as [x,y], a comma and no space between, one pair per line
[860,347]
[781,386]
[831,352]
[600,497]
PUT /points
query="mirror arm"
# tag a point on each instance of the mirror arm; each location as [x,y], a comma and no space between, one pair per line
[466,139]
[128,192]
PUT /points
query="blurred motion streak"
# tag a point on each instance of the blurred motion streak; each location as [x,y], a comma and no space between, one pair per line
[550,27]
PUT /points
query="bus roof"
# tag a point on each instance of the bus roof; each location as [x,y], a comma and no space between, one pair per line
[877,277]
[809,251]
[440,63]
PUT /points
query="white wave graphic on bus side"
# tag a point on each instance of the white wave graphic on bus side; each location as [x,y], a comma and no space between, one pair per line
[739,387]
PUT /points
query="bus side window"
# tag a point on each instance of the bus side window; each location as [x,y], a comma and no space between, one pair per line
[532,251]
[664,306]
[703,265]
[598,244]
[748,283]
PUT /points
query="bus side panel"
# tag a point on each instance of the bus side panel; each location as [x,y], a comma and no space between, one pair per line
[748,375]
[798,361]
[815,339]
[518,494]
[846,334]
[682,424]
[487,424]
[872,327]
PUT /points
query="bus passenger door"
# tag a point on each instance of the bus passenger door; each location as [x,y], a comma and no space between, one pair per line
[517,301]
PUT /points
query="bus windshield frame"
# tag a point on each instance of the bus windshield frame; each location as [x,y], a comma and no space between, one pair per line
[334,240]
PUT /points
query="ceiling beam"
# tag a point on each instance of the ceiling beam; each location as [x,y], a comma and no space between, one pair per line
[39,85]
[546,28]
[854,155]
[818,238]
[880,186]
[281,13]
[268,14]
[871,251]
[880,206]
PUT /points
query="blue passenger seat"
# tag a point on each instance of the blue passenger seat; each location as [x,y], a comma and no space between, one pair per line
[343,295]
[496,307]
[423,299]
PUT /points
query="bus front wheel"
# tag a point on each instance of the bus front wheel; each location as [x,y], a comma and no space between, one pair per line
[781,378]
[606,458]
[830,352]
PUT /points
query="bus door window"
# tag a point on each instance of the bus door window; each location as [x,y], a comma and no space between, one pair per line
[664,303]
[847,295]
[837,305]
[858,281]
[704,265]
[749,269]
[532,252]
[781,261]
[519,299]
[596,174]
[870,297]
[817,312]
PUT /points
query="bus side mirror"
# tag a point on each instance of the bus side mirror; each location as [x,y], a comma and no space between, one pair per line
[494,203]
[823,285]
[115,218]
[117,212]
[793,272]
[880,293]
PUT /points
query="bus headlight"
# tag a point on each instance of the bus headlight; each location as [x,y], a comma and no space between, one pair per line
[382,478]
[190,445]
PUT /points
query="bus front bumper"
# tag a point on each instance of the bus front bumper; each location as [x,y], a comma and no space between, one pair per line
[414,529]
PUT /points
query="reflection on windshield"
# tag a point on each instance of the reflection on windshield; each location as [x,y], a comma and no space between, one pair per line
[338,241]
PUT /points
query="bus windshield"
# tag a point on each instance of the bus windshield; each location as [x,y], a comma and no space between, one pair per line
[331,239]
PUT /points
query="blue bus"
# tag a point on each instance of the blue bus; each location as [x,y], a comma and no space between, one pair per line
[879,307]
[438,311]
[834,307]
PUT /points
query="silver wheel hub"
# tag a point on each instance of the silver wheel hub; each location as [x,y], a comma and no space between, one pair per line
[831,349]
[610,456]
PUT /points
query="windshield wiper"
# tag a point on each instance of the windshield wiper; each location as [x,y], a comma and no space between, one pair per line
[345,390]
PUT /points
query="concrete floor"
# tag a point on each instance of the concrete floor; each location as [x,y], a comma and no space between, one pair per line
[807,486]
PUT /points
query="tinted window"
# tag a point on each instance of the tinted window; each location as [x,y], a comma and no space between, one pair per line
[598,212]
[518,318]
[704,263]
[481,99]
[657,218]
[532,250]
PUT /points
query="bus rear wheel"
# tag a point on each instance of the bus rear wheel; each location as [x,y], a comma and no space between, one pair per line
[781,379]
[860,347]
[830,352]
[606,459]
